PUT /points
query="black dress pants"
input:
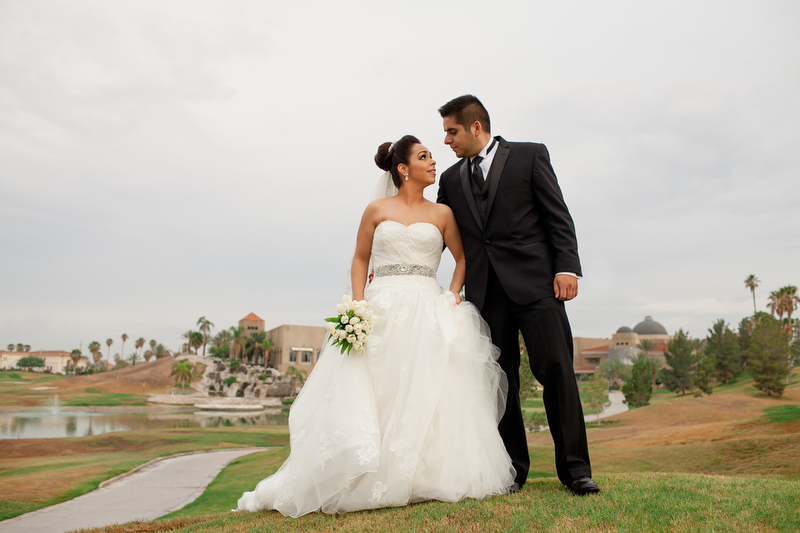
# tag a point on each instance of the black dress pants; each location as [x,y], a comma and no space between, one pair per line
[548,337]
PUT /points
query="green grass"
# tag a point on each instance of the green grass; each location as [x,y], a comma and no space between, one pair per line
[239,476]
[628,502]
[781,414]
[105,399]
[92,460]
[11,376]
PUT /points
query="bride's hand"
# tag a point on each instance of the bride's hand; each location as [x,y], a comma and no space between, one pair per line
[456,297]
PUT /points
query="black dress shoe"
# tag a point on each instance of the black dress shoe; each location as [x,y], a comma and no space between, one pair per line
[583,486]
[513,489]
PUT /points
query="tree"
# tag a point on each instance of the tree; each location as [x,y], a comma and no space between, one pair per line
[768,352]
[109,342]
[205,328]
[639,388]
[159,351]
[614,370]
[596,391]
[706,373]
[75,356]
[124,338]
[10,347]
[153,344]
[222,337]
[20,347]
[652,360]
[119,362]
[94,348]
[139,344]
[785,301]
[30,361]
[256,345]
[133,358]
[239,340]
[196,340]
[751,282]
[26,348]
[182,370]
[682,361]
[298,376]
[187,335]
[723,344]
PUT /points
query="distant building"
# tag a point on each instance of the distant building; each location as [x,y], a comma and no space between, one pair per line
[590,353]
[252,324]
[56,361]
[297,346]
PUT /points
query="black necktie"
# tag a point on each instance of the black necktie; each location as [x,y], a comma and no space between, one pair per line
[477,173]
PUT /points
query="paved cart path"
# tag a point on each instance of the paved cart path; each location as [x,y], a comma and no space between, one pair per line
[157,488]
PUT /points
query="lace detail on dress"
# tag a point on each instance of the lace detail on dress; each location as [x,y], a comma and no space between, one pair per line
[326,443]
[378,490]
[371,433]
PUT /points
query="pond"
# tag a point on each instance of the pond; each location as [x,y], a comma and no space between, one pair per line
[48,423]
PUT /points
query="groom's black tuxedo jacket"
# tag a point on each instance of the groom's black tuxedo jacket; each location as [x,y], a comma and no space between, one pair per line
[526,232]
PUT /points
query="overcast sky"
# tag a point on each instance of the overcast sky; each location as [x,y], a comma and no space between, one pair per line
[166,160]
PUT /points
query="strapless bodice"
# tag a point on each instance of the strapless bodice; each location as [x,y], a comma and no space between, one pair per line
[394,243]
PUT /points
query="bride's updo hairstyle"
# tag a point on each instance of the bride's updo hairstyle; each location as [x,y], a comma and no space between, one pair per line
[387,159]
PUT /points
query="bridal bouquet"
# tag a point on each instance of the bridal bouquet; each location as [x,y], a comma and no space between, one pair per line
[348,331]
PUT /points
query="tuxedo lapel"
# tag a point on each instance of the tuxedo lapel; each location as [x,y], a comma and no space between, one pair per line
[496,171]
[465,184]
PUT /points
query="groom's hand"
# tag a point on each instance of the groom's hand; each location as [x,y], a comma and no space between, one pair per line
[565,287]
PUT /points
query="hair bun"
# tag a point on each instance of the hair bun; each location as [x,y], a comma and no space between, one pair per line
[384,157]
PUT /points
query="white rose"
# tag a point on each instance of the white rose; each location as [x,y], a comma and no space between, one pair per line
[358,327]
[341,309]
[348,328]
[330,327]
[344,319]
[361,337]
[351,338]
[341,334]
[355,320]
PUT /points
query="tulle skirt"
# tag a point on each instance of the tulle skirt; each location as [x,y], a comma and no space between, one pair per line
[414,418]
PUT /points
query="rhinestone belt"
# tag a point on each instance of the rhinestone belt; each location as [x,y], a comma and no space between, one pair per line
[405,270]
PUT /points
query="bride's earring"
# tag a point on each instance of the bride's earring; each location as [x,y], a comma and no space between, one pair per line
[406,177]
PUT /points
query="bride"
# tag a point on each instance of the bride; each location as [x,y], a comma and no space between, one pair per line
[415,417]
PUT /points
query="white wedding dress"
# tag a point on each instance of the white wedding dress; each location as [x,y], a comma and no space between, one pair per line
[415,417]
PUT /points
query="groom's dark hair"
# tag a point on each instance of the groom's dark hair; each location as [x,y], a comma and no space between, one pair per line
[466,110]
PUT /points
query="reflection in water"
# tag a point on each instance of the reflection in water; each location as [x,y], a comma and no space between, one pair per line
[82,423]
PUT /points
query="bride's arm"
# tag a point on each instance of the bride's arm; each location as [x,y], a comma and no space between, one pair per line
[358,270]
[452,239]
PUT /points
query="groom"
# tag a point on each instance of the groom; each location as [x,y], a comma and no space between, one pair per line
[522,265]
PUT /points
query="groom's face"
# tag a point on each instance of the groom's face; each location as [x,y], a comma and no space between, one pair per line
[459,139]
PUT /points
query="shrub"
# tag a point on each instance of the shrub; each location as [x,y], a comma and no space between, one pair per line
[230,380]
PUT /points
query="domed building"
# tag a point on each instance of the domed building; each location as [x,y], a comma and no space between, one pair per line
[623,345]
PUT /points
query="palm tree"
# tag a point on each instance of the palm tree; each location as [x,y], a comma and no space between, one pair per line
[27,348]
[109,342]
[75,355]
[153,344]
[188,336]
[298,376]
[221,338]
[266,346]
[139,344]
[205,329]
[751,282]
[133,357]
[10,347]
[94,348]
[196,340]
[182,372]
[239,340]
[20,347]
[122,350]
[788,302]
[257,341]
